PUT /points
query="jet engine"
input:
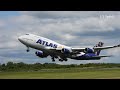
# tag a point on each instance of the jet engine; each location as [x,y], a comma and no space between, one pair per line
[66,51]
[89,50]
[41,54]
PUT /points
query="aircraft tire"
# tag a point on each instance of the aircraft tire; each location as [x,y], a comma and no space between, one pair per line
[60,60]
[27,50]
[65,60]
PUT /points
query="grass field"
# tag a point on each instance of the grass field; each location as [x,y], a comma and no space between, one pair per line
[70,73]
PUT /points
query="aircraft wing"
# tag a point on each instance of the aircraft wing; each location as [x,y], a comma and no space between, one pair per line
[82,49]
[106,47]
[54,49]
[96,48]
[78,49]
[59,49]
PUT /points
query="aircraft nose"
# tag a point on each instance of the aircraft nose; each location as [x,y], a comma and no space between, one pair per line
[20,38]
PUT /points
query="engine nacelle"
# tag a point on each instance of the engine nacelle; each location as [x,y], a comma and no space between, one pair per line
[89,50]
[66,51]
[40,54]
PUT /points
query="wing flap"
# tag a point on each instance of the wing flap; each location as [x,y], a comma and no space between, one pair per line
[78,49]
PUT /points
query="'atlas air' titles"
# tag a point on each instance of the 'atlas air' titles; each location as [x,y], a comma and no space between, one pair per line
[46,43]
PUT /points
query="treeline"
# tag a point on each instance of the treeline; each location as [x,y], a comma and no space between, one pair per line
[10,66]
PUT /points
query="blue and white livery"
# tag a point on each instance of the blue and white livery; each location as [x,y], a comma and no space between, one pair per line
[47,47]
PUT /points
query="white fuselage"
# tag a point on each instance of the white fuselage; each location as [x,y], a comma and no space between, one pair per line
[40,43]
[62,52]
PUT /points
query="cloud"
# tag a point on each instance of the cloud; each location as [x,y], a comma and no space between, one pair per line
[67,25]
[68,14]
[2,23]
[73,28]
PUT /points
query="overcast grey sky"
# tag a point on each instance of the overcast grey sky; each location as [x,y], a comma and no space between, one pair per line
[73,28]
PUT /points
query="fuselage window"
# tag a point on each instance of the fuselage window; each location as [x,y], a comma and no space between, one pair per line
[27,34]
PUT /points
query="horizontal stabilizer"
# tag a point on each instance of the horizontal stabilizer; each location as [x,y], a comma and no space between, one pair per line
[104,56]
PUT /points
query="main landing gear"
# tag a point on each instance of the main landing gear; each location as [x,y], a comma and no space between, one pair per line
[60,59]
[53,59]
[63,59]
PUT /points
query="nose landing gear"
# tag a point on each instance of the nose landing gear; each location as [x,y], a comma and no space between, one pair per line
[28,49]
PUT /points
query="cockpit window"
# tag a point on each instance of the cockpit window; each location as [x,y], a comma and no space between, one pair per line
[27,34]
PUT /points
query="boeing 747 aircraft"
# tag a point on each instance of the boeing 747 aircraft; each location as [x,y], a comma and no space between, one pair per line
[47,47]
